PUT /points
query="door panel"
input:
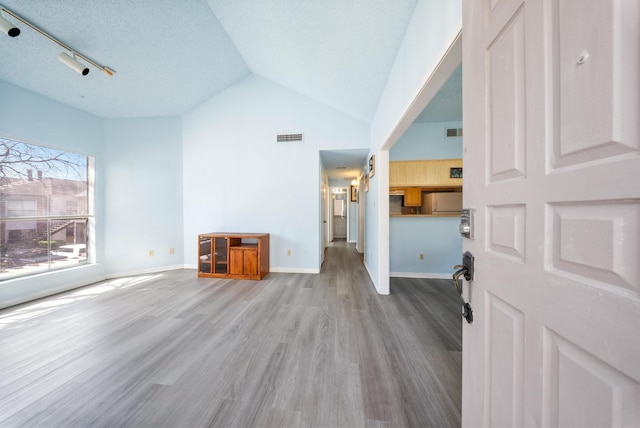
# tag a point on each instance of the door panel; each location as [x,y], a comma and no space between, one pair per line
[505,350]
[595,242]
[235,261]
[581,390]
[506,234]
[250,262]
[552,164]
[506,101]
[593,79]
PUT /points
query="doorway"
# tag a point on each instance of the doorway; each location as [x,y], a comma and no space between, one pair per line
[339,213]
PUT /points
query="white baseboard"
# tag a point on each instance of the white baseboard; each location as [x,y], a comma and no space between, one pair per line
[293,270]
[425,275]
[271,269]
[144,271]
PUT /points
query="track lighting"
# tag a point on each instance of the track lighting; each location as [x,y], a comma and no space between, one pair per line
[8,28]
[73,63]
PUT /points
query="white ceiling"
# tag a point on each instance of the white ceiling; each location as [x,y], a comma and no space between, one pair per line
[170,56]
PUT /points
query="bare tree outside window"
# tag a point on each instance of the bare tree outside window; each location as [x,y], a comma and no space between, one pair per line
[44,208]
[19,160]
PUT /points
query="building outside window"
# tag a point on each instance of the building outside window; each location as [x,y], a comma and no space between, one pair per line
[45,211]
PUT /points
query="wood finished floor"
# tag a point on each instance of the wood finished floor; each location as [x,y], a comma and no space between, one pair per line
[298,350]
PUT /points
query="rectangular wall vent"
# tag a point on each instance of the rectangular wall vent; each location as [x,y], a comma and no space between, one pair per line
[453,132]
[284,138]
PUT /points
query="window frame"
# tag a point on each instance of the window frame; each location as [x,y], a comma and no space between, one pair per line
[12,266]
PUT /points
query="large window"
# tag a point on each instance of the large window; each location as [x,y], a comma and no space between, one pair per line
[45,208]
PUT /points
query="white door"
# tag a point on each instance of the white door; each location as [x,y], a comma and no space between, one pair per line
[552,168]
[339,210]
[326,204]
[361,205]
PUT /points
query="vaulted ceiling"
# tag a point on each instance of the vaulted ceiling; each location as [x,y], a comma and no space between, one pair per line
[170,56]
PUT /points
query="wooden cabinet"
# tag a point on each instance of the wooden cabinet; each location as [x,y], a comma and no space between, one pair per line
[233,255]
[424,173]
[243,260]
[412,197]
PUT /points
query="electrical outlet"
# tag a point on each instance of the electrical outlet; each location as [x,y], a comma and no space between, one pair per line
[172,251]
[151,252]
[421,256]
[288,252]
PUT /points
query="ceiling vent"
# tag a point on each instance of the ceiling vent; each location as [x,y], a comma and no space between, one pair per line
[286,138]
[453,132]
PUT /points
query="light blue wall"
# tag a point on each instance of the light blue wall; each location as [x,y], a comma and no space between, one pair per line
[32,118]
[238,179]
[143,163]
[437,238]
[433,28]
[427,141]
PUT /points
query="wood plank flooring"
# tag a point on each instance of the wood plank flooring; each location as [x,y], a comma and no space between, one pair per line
[293,350]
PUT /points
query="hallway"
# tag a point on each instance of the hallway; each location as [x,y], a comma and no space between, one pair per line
[171,349]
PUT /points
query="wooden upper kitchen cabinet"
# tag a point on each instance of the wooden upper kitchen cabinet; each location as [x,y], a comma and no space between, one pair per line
[412,197]
[424,173]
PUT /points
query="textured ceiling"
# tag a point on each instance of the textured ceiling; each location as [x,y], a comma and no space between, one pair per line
[335,51]
[170,56]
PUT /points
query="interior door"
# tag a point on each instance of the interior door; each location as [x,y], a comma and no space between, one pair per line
[552,169]
[325,207]
[339,220]
[361,212]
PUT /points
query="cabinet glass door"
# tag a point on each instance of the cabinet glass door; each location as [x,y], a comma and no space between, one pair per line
[221,261]
[204,254]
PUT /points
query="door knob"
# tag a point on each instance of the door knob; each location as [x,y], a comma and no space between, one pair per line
[465,269]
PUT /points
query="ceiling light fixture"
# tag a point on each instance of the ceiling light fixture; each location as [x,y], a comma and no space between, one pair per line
[63,57]
[8,28]
[73,63]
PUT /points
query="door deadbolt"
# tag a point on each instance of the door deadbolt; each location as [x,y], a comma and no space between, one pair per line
[466,223]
